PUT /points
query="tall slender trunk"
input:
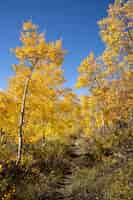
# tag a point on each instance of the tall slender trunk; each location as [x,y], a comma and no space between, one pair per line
[22,114]
[21,120]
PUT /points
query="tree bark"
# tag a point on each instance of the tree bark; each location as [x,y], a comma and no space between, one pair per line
[22,114]
[21,120]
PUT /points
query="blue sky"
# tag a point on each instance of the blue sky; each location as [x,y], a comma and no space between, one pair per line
[75,21]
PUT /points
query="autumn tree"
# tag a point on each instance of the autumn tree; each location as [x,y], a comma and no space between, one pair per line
[37,76]
[108,77]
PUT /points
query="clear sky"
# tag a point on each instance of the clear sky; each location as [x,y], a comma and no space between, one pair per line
[75,21]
